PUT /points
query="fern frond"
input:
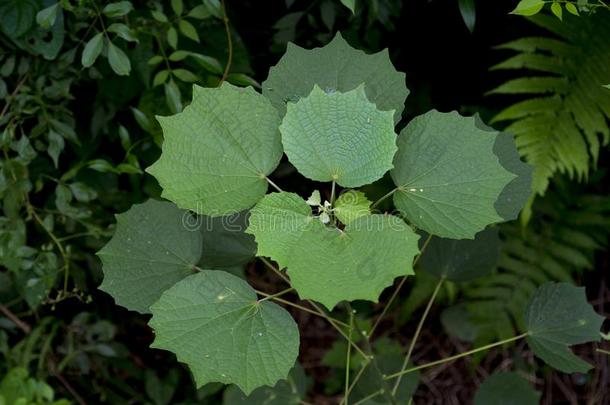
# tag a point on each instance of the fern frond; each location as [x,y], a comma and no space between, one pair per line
[562,127]
[559,244]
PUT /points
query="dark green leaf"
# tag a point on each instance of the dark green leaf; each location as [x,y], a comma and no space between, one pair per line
[92,49]
[117,9]
[506,388]
[46,17]
[119,62]
[467,9]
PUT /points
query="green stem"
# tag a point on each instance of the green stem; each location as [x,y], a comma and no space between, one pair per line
[349,354]
[603,351]
[275,186]
[358,375]
[371,396]
[273,296]
[225,20]
[376,203]
[398,288]
[417,332]
[332,193]
[457,356]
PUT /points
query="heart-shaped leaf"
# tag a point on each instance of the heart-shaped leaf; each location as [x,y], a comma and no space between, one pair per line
[336,67]
[558,316]
[214,323]
[363,259]
[506,389]
[217,152]
[152,249]
[339,136]
[462,260]
[447,175]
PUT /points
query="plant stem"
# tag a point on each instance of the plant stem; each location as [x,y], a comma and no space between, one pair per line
[349,353]
[397,290]
[371,396]
[302,308]
[319,310]
[358,375]
[332,193]
[275,186]
[457,356]
[417,332]
[272,296]
[376,203]
[225,20]
[22,325]
[603,351]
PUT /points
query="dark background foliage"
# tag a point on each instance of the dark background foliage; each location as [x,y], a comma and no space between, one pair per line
[75,142]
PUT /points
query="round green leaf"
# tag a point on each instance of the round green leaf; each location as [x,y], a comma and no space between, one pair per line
[506,389]
[447,175]
[363,259]
[336,67]
[213,322]
[339,136]
[152,248]
[462,260]
[351,205]
[277,222]
[558,316]
[217,152]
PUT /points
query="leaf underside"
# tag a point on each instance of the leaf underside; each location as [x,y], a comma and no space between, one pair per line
[558,316]
[150,251]
[447,175]
[336,67]
[213,322]
[217,152]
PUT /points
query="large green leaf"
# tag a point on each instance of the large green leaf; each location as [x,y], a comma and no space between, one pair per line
[291,391]
[277,222]
[462,260]
[363,259]
[558,316]
[372,381]
[18,16]
[447,175]
[506,389]
[214,323]
[339,67]
[152,249]
[225,243]
[339,136]
[217,152]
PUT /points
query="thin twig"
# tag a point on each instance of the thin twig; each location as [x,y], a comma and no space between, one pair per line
[275,186]
[457,356]
[225,20]
[417,332]
[20,324]
[398,288]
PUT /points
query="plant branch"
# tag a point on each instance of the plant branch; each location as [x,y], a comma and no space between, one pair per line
[398,288]
[225,20]
[275,186]
[20,324]
[417,332]
[455,357]
[276,295]
[376,203]
[349,353]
